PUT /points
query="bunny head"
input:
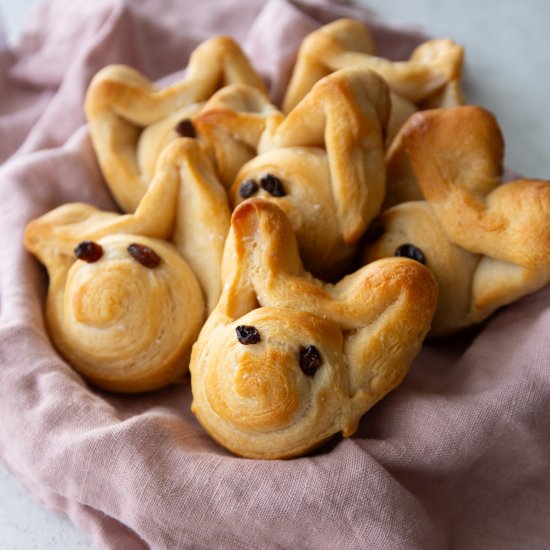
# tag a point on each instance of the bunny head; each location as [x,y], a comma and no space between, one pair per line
[285,361]
[487,242]
[122,309]
[323,164]
[411,229]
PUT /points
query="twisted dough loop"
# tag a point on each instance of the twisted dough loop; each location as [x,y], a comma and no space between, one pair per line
[255,399]
[329,155]
[491,237]
[131,121]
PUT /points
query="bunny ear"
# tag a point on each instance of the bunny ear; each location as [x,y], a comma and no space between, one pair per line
[347,113]
[384,310]
[439,140]
[261,246]
[120,102]
[230,125]
[321,53]
[203,217]
[343,44]
[497,283]
[457,157]
[394,322]
[53,237]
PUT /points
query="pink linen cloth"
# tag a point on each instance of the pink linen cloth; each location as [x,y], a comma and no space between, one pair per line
[458,456]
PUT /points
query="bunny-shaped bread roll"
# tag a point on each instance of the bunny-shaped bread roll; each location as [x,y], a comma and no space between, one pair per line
[487,242]
[285,361]
[323,164]
[430,78]
[131,121]
[124,306]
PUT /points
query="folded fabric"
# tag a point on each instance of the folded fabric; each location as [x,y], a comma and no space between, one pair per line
[457,455]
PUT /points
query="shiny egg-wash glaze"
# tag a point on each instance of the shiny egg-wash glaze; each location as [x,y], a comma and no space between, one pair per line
[285,361]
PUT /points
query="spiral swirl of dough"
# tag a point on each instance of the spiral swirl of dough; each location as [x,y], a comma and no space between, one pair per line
[255,399]
[123,326]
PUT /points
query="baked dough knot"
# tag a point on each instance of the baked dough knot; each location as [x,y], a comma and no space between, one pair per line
[286,361]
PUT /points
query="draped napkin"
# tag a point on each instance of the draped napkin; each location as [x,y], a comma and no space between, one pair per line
[457,456]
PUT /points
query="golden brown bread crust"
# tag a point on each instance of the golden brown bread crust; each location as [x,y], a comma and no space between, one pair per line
[430,78]
[328,153]
[122,325]
[254,398]
[131,121]
[347,43]
[484,148]
[499,232]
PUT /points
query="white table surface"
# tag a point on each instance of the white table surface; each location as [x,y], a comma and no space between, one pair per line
[507,71]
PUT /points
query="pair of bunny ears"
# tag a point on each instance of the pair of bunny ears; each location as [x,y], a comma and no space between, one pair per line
[286,361]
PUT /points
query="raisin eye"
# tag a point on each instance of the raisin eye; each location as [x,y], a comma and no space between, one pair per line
[374,231]
[247,335]
[89,251]
[310,360]
[248,188]
[185,128]
[412,252]
[144,255]
[272,185]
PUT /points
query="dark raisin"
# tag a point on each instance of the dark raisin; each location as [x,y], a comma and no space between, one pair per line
[374,231]
[89,251]
[247,334]
[144,255]
[248,188]
[185,128]
[412,252]
[272,185]
[310,360]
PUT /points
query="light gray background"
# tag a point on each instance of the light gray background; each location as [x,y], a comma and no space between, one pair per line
[507,71]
